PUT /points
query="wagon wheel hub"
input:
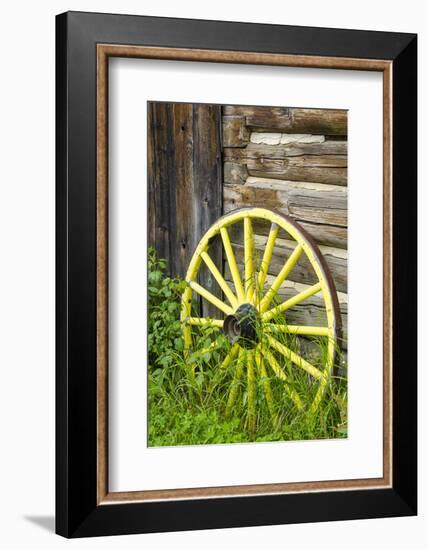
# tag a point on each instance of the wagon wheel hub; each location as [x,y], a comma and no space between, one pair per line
[241,326]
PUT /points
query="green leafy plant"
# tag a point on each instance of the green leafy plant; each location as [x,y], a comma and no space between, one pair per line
[164,327]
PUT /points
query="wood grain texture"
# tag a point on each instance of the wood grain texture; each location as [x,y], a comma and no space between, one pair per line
[242,57]
[323,205]
[102,278]
[207,199]
[316,169]
[315,162]
[328,235]
[260,150]
[234,172]
[235,131]
[388,332]
[184,182]
[293,120]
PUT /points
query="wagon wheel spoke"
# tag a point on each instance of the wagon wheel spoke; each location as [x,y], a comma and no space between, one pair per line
[230,356]
[319,394]
[204,321]
[186,304]
[251,395]
[295,358]
[210,297]
[210,348]
[220,279]
[248,259]
[280,278]
[267,256]
[277,370]
[305,294]
[232,264]
[267,390]
[300,330]
[235,382]
[323,382]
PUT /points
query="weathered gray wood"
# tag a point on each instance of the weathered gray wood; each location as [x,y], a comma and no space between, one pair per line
[293,120]
[306,212]
[272,117]
[234,172]
[279,138]
[293,163]
[261,150]
[158,169]
[183,234]
[319,121]
[329,235]
[207,201]
[235,131]
[323,204]
[169,140]
[184,181]
[299,169]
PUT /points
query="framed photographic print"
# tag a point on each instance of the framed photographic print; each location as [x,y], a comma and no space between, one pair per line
[236,274]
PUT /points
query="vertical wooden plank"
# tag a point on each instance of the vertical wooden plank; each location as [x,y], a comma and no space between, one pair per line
[160,170]
[208,187]
[170,183]
[184,184]
[182,221]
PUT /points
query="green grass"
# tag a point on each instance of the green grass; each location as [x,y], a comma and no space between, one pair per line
[188,393]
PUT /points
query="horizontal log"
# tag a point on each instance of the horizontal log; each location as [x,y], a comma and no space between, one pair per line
[302,272]
[276,138]
[328,235]
[235,131]
[305,169]
[271,117]
[319,121]
[293,120]
[256,110]
[261,150]
[322,204]
[288,163]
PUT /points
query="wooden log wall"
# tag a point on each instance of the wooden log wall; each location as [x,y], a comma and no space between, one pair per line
[293,161]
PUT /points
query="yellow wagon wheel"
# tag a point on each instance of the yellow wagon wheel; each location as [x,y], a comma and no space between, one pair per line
[252,315]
